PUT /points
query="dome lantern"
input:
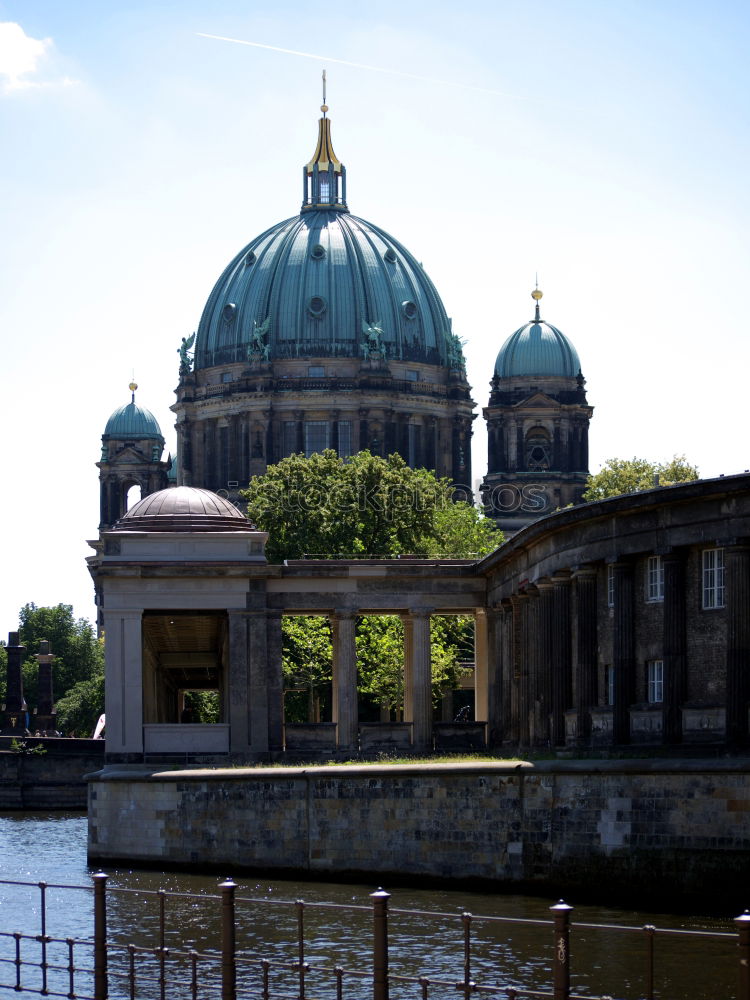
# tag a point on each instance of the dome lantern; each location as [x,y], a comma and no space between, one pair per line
[324,177]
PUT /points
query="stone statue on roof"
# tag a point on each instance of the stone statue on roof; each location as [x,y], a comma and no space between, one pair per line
[186,361]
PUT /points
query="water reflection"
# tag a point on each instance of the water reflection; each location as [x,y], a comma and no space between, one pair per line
[428,942]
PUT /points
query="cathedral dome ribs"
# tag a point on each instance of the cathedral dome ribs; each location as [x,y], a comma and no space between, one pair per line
[323,311]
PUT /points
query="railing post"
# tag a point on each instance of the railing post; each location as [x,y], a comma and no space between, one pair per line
[742,923]
[100,936]
[380,944]
[561,959]
[228,963]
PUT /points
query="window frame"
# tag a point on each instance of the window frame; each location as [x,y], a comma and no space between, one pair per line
[654,579]
[713,590]
[655,682]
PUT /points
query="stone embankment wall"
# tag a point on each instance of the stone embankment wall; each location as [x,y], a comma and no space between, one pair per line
[645,826]
[55,779]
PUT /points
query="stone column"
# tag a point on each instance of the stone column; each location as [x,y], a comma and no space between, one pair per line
[546,651]
[623,652]
[586,646]
[274,680]
[737,599]
[14,723]
[123,685]
[562,684]
[419,673]
[45,706]
[674,645]
[518,675]
[345,680]
[481,665]
[408,682]
[495,667]
[238,682]
[537,724]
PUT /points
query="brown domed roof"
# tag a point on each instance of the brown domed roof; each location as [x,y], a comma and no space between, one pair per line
[183,508]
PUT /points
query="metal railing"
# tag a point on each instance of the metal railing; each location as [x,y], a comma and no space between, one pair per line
[97,967]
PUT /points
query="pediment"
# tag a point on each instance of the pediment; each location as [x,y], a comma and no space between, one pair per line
[128,456]
[540,400]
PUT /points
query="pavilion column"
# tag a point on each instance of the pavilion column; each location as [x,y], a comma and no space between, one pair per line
[254,681]
[674,645]
[737,600]
[123,685]
[519,676]
[345,680]
[586,648]
[490,704]
[537,723]
[270,670]
[418,679]
[562,681]
[481,664]
[623,652]
[546,652]
[507,666]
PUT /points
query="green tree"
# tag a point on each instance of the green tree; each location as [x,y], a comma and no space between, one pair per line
[619,475]
[79,655]
[364,505]
[79,708]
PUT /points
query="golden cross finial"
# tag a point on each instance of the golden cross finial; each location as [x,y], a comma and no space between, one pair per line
[324,106]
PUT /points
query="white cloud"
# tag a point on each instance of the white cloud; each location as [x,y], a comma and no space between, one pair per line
[23,59]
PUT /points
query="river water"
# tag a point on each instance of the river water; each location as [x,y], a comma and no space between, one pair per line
[51,848]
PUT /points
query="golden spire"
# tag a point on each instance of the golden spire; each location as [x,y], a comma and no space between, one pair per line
[536,296]
[324,154]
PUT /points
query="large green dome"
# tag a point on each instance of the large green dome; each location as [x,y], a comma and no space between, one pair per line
[311,286]
[537,348]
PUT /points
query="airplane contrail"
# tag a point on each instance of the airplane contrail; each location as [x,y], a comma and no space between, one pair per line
[374,69]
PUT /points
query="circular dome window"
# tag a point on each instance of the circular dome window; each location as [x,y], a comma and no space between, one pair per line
[228,312]
[318,252]
[250,259]
[409,309]
[390,255]
[316,306]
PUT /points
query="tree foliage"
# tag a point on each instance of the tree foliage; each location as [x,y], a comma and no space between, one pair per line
[619,475]
[79,708]
[79,660]
[363,505]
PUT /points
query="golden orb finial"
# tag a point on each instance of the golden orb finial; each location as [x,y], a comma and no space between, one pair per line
[537,294]
[133,386]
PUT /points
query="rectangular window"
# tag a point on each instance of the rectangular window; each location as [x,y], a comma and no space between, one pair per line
[290,438]
[316,371]
[713,578]
[412,375]
[226,376]
[610,587]
[317,436]
[345,439]
[655,681]
[654,579]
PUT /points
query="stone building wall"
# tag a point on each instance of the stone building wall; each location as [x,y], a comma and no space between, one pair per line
[641,826]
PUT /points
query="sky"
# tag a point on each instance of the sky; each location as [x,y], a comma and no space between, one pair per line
[600,146]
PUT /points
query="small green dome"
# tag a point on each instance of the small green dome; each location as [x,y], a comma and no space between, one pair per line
[132,422]
[537,348]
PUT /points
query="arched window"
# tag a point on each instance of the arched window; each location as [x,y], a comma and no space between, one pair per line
[132,495]
[538,450]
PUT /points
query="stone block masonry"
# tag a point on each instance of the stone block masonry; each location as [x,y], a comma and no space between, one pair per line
[635,826]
